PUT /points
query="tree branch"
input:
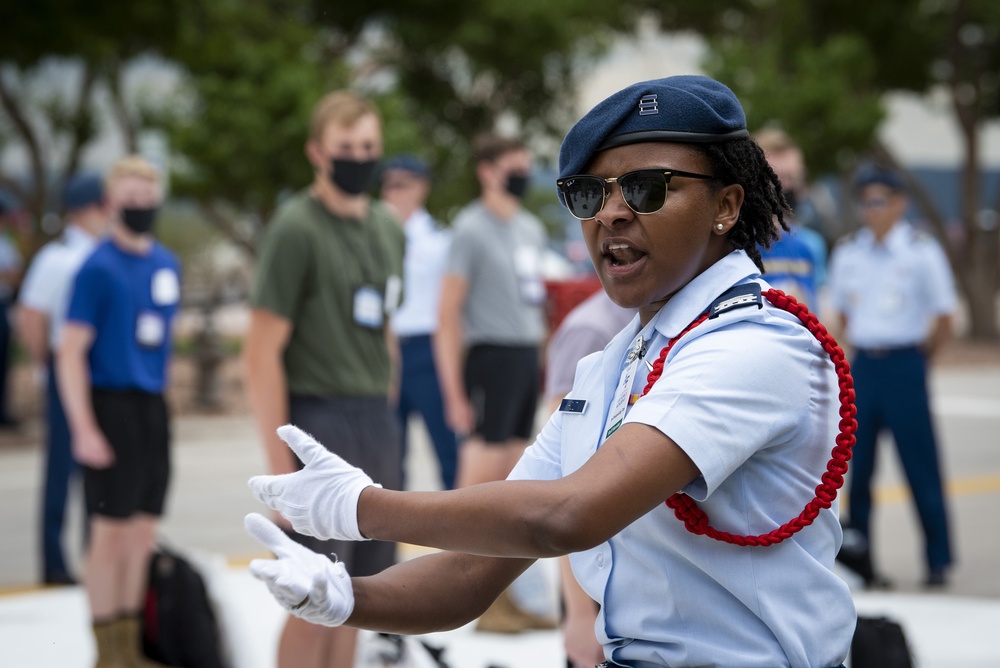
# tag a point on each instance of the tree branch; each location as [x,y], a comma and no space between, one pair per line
[78,141]
[118,105]
[35,201]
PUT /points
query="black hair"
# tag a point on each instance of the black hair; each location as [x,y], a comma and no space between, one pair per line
[742,161]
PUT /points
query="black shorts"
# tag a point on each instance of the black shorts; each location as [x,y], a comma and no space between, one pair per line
[365,432]
[503,386]
[137,426]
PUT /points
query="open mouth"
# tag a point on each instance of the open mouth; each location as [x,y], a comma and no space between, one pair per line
[621,254]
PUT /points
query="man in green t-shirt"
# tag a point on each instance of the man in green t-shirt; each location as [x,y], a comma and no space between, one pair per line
[318,351]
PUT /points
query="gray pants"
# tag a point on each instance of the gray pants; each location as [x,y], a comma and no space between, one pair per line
[365,432]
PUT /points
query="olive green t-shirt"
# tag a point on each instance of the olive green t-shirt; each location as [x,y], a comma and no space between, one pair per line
[311,266]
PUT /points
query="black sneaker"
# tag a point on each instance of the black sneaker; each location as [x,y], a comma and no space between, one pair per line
[936,579]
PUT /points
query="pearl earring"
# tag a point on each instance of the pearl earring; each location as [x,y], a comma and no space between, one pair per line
[719,226]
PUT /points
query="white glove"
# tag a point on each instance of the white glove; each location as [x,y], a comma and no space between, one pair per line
[305,583]
[321,500]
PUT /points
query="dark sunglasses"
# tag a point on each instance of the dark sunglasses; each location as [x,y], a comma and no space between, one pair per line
[644,190]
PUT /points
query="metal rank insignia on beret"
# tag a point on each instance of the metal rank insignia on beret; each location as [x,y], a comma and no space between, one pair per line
[648,105]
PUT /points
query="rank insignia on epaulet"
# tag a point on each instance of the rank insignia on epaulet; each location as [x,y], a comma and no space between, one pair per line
[736,297]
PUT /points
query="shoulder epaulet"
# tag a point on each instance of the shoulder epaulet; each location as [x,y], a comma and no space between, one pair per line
[736,297]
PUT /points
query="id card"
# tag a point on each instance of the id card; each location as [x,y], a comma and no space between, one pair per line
[623,393]
[166,288]
[149,329]
[368,307]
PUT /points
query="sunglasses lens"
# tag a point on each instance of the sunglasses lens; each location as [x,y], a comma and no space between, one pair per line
[645,191]
[583,195]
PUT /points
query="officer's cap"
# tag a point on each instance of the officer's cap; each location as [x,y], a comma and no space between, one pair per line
[687,109]
[872,175]
[83,190]
[407,162]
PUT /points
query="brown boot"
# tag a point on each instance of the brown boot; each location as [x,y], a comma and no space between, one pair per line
[130,644]
[505,617]
[106,637]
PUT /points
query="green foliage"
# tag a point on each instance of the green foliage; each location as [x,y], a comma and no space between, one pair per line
[822,95]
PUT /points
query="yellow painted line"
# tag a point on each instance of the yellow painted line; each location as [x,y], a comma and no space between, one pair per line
[970,486]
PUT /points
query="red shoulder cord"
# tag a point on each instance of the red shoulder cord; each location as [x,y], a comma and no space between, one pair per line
[696,520]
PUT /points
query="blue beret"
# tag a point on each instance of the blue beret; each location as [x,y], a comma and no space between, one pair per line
[872,175]
[409,163]
[83,190]
[688,109]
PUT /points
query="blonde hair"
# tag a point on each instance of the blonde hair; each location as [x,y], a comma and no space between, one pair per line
[774,140]
[134,165]
[342,107]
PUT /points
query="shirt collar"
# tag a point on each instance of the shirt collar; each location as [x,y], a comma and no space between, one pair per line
[895,238]
[419,221]
[694,298]
[75,235]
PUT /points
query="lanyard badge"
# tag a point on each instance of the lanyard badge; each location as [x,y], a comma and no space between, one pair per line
[623,392]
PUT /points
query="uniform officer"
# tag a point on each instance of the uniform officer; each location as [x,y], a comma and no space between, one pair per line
[893,290]
[737,418]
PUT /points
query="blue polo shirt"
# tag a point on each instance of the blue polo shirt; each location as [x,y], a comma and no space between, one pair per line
[130,301]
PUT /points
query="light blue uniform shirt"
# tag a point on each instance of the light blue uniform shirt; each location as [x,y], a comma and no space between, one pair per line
[49,282]
[891,290]
[424,263]
[752,398]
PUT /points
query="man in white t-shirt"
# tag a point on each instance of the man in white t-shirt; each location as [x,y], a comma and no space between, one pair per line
[41,314]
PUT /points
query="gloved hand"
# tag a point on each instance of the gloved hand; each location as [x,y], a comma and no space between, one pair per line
[321,500]
[305,583]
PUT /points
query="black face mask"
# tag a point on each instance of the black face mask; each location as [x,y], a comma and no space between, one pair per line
[351,176]
[792,198]
[517,185]
[139,221]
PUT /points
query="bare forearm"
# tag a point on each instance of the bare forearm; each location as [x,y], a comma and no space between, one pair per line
[73,377]
[437,592]
[940,335]
[33,333]
[448,349]
[537,518]
[267,392]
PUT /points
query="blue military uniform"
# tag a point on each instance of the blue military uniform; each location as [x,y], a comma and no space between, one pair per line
[760,428]
[890,291]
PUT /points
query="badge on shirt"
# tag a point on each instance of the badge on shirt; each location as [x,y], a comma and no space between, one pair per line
[528,266]
[572,405]
[165,287]
[623,393]
[368,307]
[149,329]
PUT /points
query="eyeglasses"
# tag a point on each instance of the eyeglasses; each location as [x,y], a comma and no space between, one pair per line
[874,203]
[644,190]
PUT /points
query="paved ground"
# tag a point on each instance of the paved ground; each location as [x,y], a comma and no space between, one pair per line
[214,456]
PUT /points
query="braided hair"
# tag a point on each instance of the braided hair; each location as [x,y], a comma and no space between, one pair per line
[742,161]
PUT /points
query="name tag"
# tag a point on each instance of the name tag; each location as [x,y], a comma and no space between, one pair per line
[368,307]
[150,329]
[573,406]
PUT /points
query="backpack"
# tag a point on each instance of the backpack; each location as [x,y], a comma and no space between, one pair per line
[179,625]
[879,642]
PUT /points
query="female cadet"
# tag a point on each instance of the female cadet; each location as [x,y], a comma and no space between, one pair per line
[737,418]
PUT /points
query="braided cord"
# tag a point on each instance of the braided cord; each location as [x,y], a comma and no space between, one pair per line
[696,520]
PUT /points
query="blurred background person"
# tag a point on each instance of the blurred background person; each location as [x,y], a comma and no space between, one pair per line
[112,371]
[11,267]
[796,263]
[41,314]
[405,185]
[491,327]
[892,289]
[318,351]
